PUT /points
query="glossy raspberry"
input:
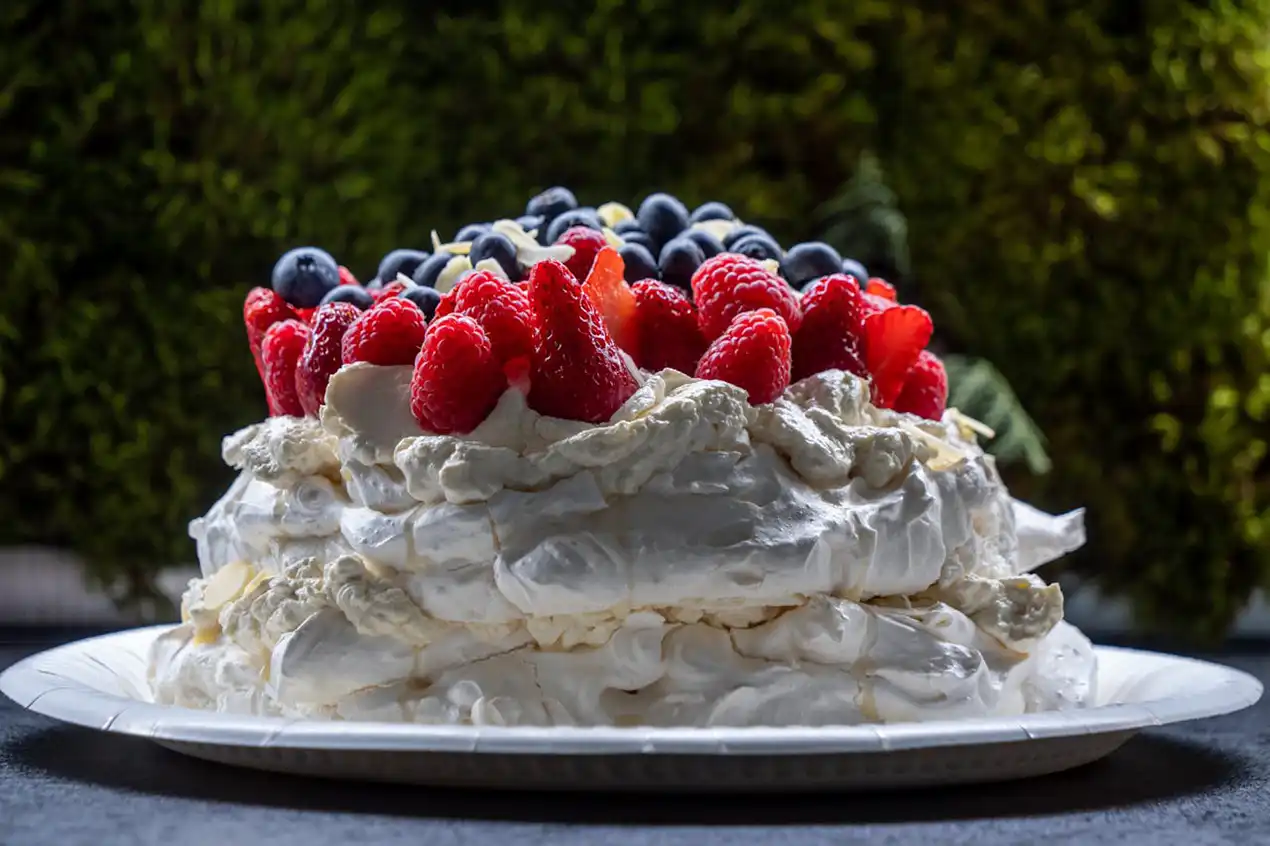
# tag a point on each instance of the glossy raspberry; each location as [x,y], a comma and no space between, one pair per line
[457,379]
[668,332]
[881,288]
[753,353]
[925,391]
[390,289]
[607,290]
[832,330]
[501,307]
[577,371]
[730,284]
[263,308]
[279,353]
[390,333]
[323,353]
[347,277]
[586,243]
[893,340]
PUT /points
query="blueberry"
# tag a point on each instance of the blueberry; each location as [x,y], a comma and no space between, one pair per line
[757,247]
[851,267]
[426,274]
[624,226]
[425,298]
[711,211]
[400,261]
[679,259]
[808,261]
[471,232]
[662,217]
[303,276]
[373,283]
[708,243]
[575,217]
[639,262]
[498,247]
[552,203]
[530,222]
[355,294]
[641,238]
[741,231]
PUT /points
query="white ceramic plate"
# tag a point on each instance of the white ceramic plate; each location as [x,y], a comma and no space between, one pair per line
[100,683]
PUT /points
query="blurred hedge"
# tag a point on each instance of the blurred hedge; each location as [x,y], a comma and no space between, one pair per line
[1086,193]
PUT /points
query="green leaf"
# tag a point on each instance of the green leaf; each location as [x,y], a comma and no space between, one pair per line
[978,389]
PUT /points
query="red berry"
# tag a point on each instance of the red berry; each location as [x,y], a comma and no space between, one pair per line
[881,288]
[893,340]
[390,333]
[729,284]
[668,332]
[390,289]
[925,391]
[612,298]
[279,353]
[457,379]
[323,353]
[263,308]
[586,244]
[501,307]
[753,353]
[347,277]
[306,314]
[832,330]
[578,372]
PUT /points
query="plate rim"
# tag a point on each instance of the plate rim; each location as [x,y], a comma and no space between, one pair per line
[61,697]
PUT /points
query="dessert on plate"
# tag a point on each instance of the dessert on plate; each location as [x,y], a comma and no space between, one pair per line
[597,467]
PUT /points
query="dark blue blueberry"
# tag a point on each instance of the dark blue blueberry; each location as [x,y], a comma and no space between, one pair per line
[498,247]
[400,261]
[471,232]
[552,203]
[425,298]
[708,243]
[355,294]
[741,231]
[639,237]
[851,267]
[639,262]
[530,222]
[662,217]
[711,211]
[679,259]
[757,247]
[809,261]
[628,225]
[570,219]
[303,276]
[426,274]
[373,283]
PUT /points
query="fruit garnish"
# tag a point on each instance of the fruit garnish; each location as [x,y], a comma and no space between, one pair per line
[427,299]
[323,353]
[391,333]
[728,285]
[405,262]
[457,378]
[612,298]
[303,276]
[809,261]
[280,352]
[881,288]
[586,244]
[263,308]
[679,259]
[354,295]
[753,353]
[925,391]
[831,335]
[499,306]
[667,325]
[347,277]
[662,217]
[893,341]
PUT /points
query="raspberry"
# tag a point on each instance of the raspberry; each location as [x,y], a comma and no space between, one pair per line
[753,353]
[612,298]
[925,390]
[893,340]
[390,289]
[586,244]
[577,372]
[280,351]
[501,307]
[306,315]
[881,288]
[263,308]
[322,354]
[347,277]
[833,326]
[729,284]
[668,332]
[390,333]
[457,379]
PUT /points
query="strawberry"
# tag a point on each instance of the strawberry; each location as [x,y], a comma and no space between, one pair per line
[925,390]
[586,244]
[893,340]
[279,353]
[729,284]
[607,290]
[667,324]
[753,353]
[578,372]
[457,379]
[322,354]
[501,307]
[347,277]
[881,288]
[390,333]
[263,308]
[832,328]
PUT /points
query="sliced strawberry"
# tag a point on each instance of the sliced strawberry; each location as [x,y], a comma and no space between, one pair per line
[607,290]
[893,340]
[881,288]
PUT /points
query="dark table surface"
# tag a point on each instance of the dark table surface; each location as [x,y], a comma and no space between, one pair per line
[1201,783]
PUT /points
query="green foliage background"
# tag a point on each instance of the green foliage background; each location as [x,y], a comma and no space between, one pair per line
[1086,193]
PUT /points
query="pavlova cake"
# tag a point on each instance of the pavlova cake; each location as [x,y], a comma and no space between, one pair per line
[595,467]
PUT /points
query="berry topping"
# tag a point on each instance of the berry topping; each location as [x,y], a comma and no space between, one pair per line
[832,331]
[893,340]
[425,298]
[851,267]
[577,217]
[352,294]
[809,261]
[530,222]
[263,308]
[640,237]
[552,203]
[578,372]
[400,261]
[638,262]
[728,285]
[498,247]
[662,217]
[711,211]
[668,332]
[279,352]
[752,354]
[624,226]
[501,307]
[457,379]
[390,333]
[426,274]
[925,391]
[741,231]
[470,232]
[303,276]
[586,244]
[347,277]
[611,214]
[881,288]
[757,247]
[612,298]
[323,353]
[679,259]
[392,289]
[710,245]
